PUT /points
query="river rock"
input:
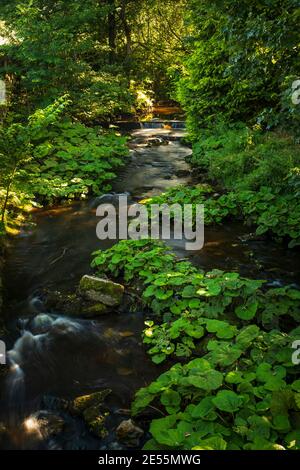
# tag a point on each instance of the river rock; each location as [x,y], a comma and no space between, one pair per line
[50,424]
[91,409]
[69,304]
[129,433]
[95,289]
[155,141]
[74,305]
[44,423]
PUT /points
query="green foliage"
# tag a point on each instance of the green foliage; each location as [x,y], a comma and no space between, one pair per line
[238,157]
[133,260]
[61,47]
[244,59]
[102,53]
[16,147]
[249,402]
[72,160]
[52,158]
[239,390]
[272,211]
[189,306]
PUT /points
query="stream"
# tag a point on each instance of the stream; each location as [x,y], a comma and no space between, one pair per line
[53,357]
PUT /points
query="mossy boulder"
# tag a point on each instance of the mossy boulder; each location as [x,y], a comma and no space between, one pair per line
[95,289]
[92,409]
[69,304]
[95,309]
[74,305]
[80,404]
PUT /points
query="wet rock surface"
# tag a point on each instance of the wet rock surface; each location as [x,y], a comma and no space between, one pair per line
[95,289]
[46,423]
[93,411]
[95,297]
[129,434]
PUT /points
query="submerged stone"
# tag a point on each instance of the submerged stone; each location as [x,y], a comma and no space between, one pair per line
[80,404]
[74,305]
[95,289]
[69,304]
[50,424]
[44,423]
[96,309]
[129,433]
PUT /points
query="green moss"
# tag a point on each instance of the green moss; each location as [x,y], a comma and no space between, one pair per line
[91,408]
[95,421]
[101,290]
[80,404]
[98,308]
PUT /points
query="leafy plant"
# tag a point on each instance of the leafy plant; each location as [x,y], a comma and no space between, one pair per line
[271,211]
[249,402]
[189,306]
[72,160]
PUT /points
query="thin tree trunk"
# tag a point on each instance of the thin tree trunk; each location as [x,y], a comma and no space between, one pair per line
[112,31]
[127,29]
[5,202]
[7,194]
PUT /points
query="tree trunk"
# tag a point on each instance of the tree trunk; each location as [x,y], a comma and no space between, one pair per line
[112,31]
[126,28]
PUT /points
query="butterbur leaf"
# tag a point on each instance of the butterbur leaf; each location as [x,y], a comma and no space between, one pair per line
[153,445]
[158,358]
[223,354]
[213,287]
[194,303]
[247,311]
[263,444]
[263,372]
[297,400]
[259,426]
[163,295]
[274,383]
[222,329]
[234,377]
[205,409]
[247,335]
[199,364]
[281,423]
[159,429]
[142,400]
[228,401]
[296,385]
[211,443]
[171,400]
[210,380]
[188,292]
[293,440]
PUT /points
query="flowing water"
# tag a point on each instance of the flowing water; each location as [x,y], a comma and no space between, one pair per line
[53,357]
